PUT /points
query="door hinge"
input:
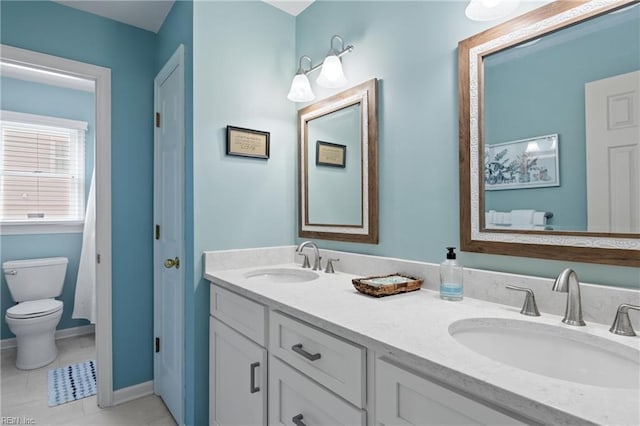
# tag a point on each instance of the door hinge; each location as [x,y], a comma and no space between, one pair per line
[157,344]
[157,119]
[98,258]
[157,232]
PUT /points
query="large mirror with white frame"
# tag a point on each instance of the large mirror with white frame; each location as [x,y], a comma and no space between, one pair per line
[550,134]
[338,171]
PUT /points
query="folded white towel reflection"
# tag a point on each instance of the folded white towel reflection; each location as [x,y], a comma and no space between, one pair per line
[539,218]
[522,217]
[502,218]
[518,219]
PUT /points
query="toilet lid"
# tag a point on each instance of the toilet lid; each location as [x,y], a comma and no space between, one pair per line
[34,308]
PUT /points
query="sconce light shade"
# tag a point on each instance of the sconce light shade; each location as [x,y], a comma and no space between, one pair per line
[300,89]
[331,76]
[488,10]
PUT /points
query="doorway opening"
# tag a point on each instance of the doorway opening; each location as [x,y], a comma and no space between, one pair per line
[59,70]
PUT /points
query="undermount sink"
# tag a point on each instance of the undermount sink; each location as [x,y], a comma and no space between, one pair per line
[282,275]
[552,351]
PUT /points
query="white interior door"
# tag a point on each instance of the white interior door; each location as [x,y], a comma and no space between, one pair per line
[612,116]
[169,234]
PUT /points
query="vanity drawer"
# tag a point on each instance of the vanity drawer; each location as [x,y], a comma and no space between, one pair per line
[240,313]
[293,395]
[333,362]
[407,398]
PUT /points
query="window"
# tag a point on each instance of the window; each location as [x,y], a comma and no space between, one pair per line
[41,170]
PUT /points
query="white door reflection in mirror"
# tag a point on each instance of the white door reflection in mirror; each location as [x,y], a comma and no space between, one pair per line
[613,154]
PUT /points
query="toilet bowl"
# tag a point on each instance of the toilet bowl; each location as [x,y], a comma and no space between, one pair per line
[34,284]
[35,332]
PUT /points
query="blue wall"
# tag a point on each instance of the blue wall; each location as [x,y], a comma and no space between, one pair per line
[243,64]
[42,99]
[412,48]
[129,52]
[178,29]
[555,70]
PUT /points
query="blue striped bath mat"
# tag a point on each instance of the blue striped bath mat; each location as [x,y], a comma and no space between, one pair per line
[72,382]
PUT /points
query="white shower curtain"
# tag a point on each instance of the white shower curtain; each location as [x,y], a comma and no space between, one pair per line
[85,301]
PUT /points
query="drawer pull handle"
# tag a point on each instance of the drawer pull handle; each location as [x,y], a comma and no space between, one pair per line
[297,420]
[311,357]
[252,386]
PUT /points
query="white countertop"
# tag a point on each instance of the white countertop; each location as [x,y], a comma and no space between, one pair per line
[413,327]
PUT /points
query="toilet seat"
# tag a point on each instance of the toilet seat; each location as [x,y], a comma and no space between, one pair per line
[34,308]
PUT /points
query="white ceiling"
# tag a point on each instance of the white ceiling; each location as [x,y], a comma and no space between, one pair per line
[146,14]
[292,7]
[150,14]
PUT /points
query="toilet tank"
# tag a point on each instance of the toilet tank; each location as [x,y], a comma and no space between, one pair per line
[33,279]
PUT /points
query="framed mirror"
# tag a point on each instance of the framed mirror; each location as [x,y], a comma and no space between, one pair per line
[338,167]
[549,120]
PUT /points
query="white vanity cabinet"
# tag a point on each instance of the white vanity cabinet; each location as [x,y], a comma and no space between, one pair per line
[404,397]
[317,378]
[238,362]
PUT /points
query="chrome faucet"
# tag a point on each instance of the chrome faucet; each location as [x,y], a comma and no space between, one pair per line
[316,261]
[567,282]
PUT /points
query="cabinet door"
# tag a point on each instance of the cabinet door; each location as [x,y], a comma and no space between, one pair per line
[238,378]
[405,398]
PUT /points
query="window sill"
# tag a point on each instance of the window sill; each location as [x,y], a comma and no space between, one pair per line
[48,227]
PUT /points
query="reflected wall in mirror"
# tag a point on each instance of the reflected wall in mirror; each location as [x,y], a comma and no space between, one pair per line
[338,179]
[550,136]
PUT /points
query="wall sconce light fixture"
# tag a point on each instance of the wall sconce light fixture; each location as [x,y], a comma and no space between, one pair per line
[331,74]
[300,88]
[488,10]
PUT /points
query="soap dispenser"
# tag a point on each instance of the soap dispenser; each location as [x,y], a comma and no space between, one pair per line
[451,277]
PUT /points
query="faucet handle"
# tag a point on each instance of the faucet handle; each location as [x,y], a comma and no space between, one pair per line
[529,307]
[329,269]
[621,323]
[305,262]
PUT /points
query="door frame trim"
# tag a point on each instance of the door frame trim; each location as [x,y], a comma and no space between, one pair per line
[176,62]
[102,79]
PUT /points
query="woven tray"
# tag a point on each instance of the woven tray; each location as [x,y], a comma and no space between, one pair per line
[377,287]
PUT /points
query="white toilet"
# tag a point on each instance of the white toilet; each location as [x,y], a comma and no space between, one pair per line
[34,283]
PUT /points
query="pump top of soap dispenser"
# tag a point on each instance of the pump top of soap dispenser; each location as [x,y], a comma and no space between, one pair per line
[451,254]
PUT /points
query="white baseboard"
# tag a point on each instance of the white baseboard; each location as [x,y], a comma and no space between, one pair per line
[132,392]
[60,334]
[75,331]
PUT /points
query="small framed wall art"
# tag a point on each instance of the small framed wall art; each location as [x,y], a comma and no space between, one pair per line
[247,143]
[331,154]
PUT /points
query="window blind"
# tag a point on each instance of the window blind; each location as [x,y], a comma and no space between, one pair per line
[42,175]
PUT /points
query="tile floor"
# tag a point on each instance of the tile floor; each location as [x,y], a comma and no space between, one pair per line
[23,394]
